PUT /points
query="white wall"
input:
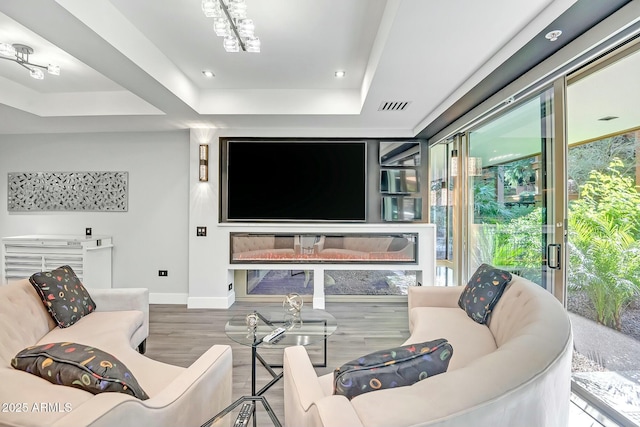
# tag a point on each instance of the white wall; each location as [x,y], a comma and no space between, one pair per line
[152,235]
[166,204]
[207,255]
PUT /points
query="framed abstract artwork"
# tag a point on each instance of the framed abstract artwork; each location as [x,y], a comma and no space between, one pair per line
[67,191]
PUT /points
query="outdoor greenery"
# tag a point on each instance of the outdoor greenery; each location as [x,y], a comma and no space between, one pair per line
[604,225]
[604,242]
[508,233]
[520,172]
[487,209]
[597,155]
[514,245]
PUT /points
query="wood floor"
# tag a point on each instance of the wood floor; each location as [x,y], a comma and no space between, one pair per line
[179,336]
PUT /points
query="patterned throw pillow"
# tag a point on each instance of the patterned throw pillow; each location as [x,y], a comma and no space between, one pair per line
[396,367]
[79,366]
[483,291]
[63,294]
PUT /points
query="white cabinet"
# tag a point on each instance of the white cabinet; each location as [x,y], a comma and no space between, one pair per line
[89,257]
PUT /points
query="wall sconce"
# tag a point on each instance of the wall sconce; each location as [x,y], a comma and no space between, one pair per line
[203,170]
[454,162]
[475,166]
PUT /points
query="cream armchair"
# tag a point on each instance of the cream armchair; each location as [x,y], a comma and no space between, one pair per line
[177,396]
[514,370]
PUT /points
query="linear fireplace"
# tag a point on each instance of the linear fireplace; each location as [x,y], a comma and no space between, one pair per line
[324,248]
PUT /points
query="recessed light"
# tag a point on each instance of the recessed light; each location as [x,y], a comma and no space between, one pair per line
[208,73]
[340,74]
[553,35]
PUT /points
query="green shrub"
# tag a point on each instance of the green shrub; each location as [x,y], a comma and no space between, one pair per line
[604,243]
[515,245]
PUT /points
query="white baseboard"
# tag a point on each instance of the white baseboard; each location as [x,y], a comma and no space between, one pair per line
[211,302]
[167,298]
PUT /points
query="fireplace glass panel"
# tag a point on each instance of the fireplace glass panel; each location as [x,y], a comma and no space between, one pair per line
[379,248]
[368,282]
[279,282]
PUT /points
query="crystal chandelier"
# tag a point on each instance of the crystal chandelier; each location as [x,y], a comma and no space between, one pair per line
[20,53]
[230,21]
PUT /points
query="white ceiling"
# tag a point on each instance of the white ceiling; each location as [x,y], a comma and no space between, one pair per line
[137,65]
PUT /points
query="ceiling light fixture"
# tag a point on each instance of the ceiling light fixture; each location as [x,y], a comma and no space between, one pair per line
[208,74]
[340,74]
[230,21]
[553,35]
[19,53]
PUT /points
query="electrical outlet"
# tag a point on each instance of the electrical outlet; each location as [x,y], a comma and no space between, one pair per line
[201,231]
[163,273]
[87,231]
[230,286]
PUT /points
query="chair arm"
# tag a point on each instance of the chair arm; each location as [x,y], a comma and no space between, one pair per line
[197,394]
[434,296]
[301,385]
[122,299]
[334,411]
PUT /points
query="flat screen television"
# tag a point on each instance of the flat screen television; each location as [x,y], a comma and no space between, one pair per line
[296,181]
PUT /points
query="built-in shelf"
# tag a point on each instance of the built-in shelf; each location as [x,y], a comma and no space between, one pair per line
[400,181]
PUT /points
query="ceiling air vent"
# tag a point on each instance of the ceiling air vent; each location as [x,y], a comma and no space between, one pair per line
[394,105]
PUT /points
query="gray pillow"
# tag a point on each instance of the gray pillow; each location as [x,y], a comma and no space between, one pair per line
[79,366]
[395,367]
[63,295]
[483,291]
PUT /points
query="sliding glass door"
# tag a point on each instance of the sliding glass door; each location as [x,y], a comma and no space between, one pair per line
[441,211]
[514,220]
[548,187]
[603,300]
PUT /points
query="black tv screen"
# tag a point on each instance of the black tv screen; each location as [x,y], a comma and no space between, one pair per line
[296,181]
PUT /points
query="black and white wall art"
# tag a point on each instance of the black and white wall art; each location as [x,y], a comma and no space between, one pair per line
[67,191]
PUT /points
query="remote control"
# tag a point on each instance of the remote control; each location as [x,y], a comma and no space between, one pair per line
[275,333]
[243,416]
[277,339]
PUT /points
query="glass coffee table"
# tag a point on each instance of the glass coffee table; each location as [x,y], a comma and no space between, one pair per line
[309,326]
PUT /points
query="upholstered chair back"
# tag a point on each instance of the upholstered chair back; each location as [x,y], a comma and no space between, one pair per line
[23,317]
[526,309]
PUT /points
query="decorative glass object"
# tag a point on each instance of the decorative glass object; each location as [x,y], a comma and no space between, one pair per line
[292,320]
[252,320]
[292,303]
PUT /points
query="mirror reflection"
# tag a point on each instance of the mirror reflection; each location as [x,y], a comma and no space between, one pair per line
[399,208]
[400,153]
[399,181]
